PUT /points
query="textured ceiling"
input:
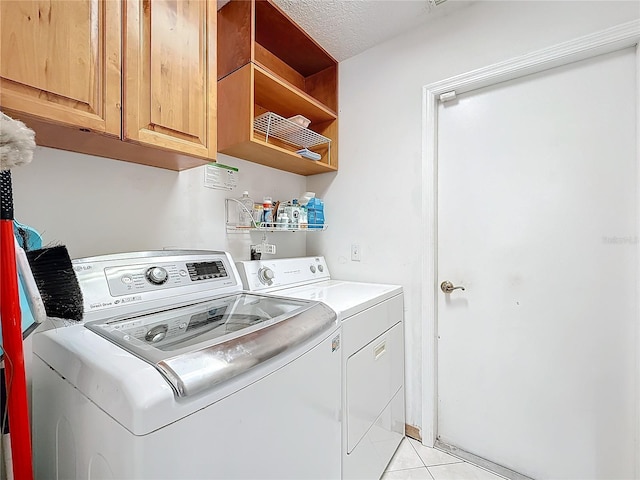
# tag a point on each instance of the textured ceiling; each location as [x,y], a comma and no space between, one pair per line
[347,27]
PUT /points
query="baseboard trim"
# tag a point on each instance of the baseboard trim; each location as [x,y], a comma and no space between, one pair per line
[413,432]
[480,462]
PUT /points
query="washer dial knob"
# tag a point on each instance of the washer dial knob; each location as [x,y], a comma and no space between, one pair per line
[265,275]
[157,275]
[157,333]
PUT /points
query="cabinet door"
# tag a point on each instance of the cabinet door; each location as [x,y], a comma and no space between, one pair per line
[170,75]
[60,61]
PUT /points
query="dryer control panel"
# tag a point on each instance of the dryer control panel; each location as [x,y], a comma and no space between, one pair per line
[267,275]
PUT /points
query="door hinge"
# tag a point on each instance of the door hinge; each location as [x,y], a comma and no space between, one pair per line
[448,96]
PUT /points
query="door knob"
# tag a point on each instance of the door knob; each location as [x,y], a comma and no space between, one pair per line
[447,287]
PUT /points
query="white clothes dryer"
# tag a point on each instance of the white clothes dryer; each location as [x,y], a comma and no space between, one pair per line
[371,315]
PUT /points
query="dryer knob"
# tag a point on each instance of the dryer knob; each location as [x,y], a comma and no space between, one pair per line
[265,275]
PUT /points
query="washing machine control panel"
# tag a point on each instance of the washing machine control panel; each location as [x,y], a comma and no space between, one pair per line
[127,279]
[127,283]
[265,275]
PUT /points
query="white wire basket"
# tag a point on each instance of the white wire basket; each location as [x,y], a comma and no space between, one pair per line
[273,125]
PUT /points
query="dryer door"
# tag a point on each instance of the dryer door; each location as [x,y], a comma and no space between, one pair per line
[374,374]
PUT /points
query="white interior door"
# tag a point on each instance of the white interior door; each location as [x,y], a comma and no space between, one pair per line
[537,219]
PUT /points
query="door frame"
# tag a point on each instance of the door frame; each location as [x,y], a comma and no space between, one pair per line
[605,41]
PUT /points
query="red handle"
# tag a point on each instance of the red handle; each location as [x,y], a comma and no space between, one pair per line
[15,377]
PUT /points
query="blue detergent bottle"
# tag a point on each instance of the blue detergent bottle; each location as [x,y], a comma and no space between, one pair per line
[315,213]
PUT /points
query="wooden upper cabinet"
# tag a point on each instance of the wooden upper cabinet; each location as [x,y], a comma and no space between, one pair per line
[87,74]
[60,60]
[170,75]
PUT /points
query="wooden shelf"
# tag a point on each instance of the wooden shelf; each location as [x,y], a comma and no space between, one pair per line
[274,156]
[266,63]
[274,94]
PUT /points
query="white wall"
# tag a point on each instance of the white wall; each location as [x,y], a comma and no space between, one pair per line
[375,199]
[95,205]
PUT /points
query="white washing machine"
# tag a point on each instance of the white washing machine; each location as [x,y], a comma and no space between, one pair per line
[372,348]
[176,373]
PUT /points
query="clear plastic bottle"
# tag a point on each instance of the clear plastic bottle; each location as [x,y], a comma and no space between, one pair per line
[257,213]
[303,217]
[294,213]
[283,221]
[245,211]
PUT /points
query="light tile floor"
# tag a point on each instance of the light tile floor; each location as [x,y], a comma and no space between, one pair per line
[414,461]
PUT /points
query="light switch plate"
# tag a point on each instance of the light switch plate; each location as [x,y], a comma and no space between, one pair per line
[355,252]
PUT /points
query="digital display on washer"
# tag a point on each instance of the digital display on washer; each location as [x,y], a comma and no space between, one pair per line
[206,270]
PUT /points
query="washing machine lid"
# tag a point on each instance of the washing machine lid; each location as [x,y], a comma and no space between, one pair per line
[344,297]
[198,346]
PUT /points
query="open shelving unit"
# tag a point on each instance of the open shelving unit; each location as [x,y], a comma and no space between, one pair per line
[234,228]
[233,225]
[267,63]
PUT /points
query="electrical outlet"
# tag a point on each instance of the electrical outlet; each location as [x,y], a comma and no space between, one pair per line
[355,252]
[264,248]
